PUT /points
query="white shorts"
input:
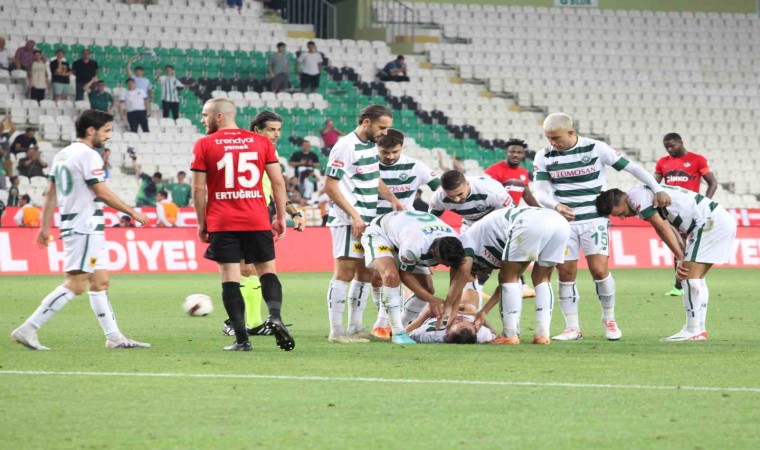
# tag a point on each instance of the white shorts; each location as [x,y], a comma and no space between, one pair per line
[591,236]
[378,246]
[85,252]
[344,244]
[713,241]
[539,235]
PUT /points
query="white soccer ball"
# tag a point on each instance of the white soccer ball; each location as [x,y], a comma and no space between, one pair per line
[198,305]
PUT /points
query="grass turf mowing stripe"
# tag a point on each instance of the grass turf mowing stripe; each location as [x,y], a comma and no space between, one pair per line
[389,380]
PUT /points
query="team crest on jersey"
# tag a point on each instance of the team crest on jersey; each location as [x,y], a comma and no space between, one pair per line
[403,177]
[601,227]
[93,261]
[586,159]
[687,164]
[481,208]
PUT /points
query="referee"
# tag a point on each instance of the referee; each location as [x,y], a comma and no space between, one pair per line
[170,87]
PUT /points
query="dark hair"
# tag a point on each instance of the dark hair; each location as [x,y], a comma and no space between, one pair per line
[59,50]
[130,79]
[519,142]
[461,336]
[263,117]
[169,66]
[157,175]
[100,82]
[139,68]
[608,200]
[374,112]
[452,179]
[26,198]
[672,137]
[164,193]
[311,43]
[449,250]
[181,172]
[91,118]
[400,57]
[30,129]
[390,140]
[36,51]
[13,178]
[280,44]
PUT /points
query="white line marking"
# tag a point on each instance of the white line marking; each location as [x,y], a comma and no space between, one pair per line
[388,380]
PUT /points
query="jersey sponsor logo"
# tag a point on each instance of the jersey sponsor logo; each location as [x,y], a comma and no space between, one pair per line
[237,195]
[687,164]
[98,172]
[400,188]
[618,153]
[234,143]
[337,163]
[435,228]
[368,169]
[573,172]
[358,247]
[491,258]
[678,176]
[384,249]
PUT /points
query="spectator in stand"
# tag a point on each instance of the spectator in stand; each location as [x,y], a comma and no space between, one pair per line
[420,204]
[23,141]
[13,197]
[85,69]
[236,4]
[293,192]
[125,222]
[149,186]
[7,62]
[99,98]
[61,71]
[141,82]
[28,215]
[180,190]
[303,159]
[308,182]
[330,136]
[32,165]
[166,210]
[25,56]
[170,87]
[7,128]
[278,69]
[309,67]
[134,107]
[3,155]
[39,79]
[394,70]
[106,163]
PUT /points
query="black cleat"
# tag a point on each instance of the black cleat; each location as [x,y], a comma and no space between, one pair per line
[281,334]
[239,347]
[260,330]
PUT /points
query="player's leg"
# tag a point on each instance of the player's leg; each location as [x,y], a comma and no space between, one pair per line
[226,249]
[250,288]
[553,231]
[595,245]
[511,297]
[413,305]
[677,290]
[271,290]
[346,260]
[569,296]
[358,297]
[381,329]
[392,297]
[541,277]
[101,306]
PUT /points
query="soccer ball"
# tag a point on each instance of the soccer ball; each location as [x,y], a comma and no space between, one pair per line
[198,305]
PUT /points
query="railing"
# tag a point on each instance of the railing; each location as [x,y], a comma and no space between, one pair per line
[395,16]
[319,13]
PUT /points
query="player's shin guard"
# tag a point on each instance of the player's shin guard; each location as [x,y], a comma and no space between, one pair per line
[376,296]
[51,304]
[544,308]
[392,298]
[336,305]
[511,307]
[692,302]
[605,290]
[104,312]
[271,290]
[250,289]
[233,303]
[413,306]
[705,301]
[358,295]
[568,302]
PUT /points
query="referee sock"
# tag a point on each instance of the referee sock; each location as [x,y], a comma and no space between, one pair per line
[250,289]
[568,302]
[51,304]
[605,290]
[544,307]
[336,305]
[271,290]
[357,302]
[392,298]
[511,307]
[104,312]
[413,306]
[705,300]
[233,303]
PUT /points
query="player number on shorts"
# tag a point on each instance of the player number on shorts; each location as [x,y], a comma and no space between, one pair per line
[64,182]
[602,235]
[245,165]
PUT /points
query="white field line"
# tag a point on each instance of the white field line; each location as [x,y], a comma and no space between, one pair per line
[388,380]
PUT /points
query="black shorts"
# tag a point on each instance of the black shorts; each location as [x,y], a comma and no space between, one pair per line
[311,81]
[233,246]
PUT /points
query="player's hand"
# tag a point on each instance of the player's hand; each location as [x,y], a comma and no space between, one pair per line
[681,271]
[436,307]
[446,314]
[661,200]
[43,238]
[299,223]
[279,227]
[140,217]
[398,206]
[203,235]
[565,211]
[480,320]
[357,226]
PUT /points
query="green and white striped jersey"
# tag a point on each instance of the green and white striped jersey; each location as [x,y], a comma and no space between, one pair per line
[355,164]
[75,168]
[578,175]
[487,238]
[486,195]
[687,211]
[403,179]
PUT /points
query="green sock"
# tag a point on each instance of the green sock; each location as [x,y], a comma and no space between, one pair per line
[250,288]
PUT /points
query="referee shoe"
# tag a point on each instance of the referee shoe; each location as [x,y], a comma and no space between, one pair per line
[282,336]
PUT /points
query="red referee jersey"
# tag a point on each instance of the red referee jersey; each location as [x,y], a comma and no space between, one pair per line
[686,171]
[234,161]
[514,180]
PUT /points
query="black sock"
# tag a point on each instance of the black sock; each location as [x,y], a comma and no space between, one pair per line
[271,290]
[678,284]
[235,306]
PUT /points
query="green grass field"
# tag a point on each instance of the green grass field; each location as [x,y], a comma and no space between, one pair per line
[185,392]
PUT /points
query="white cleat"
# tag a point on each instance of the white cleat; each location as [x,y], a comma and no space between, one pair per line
[571,334]
[125,342]
[27,338]
[362,334]
[346,339]
[611,330]
[685,335]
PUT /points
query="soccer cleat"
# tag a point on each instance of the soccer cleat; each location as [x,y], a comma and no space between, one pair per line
[611,330]
[675,292]
[685,335]
[364,334]
[382,333]
[571,334]
[239,347]
[542,340]
[126,342]
[227,329]
[402,338]
[27,338]
[512,340]
[528,293]
[346,339]
[260,330]
[282,336]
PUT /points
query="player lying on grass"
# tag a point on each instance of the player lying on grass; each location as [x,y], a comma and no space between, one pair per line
[509,240]
[398,242]
[711,230]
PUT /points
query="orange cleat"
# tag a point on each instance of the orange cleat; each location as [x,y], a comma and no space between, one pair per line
[382,333]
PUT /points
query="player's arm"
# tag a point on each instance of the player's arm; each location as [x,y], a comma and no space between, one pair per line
[458,278]
[48,208]
[434,303]
[103,192]
[280,197]
[416,323]
[668,235]
[199,202]
[712,184]
[333,192]
[528,196]
[298,218]
[619,162]
[129,66]
[386,194]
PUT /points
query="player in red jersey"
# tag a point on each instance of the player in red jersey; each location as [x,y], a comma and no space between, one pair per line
[684,169]
[228,165]
[513,176]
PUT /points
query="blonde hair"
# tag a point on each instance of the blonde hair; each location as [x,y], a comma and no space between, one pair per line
[558,121]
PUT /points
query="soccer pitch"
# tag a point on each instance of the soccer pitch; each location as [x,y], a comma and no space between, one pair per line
[185,392]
